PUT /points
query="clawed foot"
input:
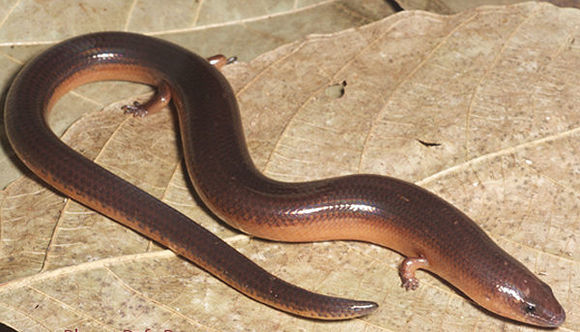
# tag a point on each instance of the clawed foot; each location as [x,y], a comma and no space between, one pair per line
[410,284]
[137,109]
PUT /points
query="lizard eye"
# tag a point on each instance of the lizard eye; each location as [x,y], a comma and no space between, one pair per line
[529,308]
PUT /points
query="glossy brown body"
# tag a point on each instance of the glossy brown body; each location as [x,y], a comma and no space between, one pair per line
[372,208]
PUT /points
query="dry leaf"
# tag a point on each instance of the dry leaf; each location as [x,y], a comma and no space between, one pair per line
[456,6]
[495,88]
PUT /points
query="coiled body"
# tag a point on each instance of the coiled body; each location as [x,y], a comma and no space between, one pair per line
[433,234]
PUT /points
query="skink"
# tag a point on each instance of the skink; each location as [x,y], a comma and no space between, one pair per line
[431,233]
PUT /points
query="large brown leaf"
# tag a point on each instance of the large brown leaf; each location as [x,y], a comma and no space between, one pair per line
[456,6]
[496,90]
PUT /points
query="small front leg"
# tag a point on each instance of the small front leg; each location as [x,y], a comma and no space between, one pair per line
[162,95]
[407,271]
[159,100]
